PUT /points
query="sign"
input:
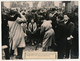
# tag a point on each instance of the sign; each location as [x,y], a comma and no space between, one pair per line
[39,55]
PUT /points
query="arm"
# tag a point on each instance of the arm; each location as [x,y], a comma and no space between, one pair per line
[14,17]
[21,18]
[71,31]
[42,30]
[29,27]
[35,27]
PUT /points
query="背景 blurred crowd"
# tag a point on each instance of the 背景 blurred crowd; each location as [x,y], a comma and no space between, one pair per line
[52,29]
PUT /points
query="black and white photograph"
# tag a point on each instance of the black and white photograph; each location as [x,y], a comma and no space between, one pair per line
[39,26]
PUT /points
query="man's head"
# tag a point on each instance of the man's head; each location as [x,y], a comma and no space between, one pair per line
[60,18]
[32,20]
[66,19]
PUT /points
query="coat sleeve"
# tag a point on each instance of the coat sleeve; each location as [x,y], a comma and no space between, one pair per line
[35,27]
[42,29]
[71,28]
[29,27]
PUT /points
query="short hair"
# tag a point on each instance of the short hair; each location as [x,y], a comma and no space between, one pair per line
[60,17]
[23,13]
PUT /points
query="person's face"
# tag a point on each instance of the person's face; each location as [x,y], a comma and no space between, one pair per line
[45,10]
[59,21]
[32,20]
[76,14]
[41,11]
[50,15]
[58,11]
[65,17]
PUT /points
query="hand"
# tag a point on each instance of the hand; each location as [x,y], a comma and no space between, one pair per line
[4,46]
[25,34]
[55,44]
[68,38]
[55,12]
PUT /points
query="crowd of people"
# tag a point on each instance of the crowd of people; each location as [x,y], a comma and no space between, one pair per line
[52,29]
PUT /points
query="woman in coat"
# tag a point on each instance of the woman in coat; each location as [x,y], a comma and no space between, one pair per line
[32,27]
[49,33]
[17,35]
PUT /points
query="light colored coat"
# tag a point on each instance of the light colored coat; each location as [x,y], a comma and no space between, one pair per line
[49,34]
[16,35]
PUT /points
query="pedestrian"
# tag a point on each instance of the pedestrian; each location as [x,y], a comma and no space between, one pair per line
[17,35]
[49,33]
[63,34]
[32,27]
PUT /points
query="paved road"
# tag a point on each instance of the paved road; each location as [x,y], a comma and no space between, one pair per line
[27,48]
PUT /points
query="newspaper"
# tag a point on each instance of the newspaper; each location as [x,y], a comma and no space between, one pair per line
[39,30]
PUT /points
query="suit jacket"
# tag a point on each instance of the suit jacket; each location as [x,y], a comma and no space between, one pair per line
[63,31]
[34,27]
